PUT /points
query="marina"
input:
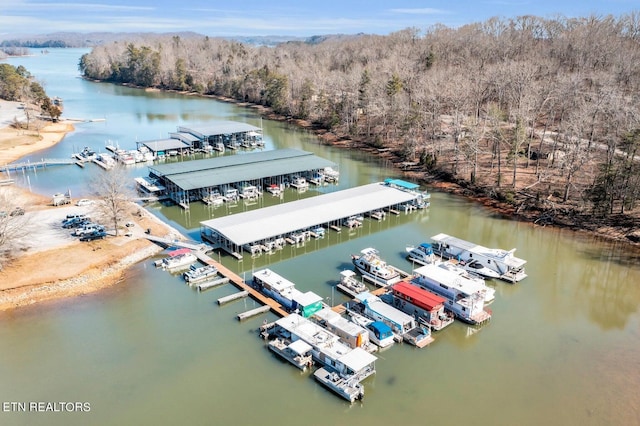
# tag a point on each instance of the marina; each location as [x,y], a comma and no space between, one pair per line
[163,350]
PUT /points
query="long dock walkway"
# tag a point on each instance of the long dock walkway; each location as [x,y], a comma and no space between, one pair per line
[236,280]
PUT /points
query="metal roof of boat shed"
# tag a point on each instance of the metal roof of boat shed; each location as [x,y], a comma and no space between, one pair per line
[281,219]
[164,144]
[222,127]
[211,172]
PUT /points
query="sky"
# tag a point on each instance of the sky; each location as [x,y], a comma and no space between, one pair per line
[279,17]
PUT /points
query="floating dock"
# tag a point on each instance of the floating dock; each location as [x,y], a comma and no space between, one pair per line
[253,312]
[211,284]
[230,298]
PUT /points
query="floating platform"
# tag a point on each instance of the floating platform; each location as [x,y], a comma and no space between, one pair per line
[253,312]
[232,297]
[211,284]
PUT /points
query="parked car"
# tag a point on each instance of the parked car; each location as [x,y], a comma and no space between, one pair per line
[95,235]
[18,211]
[75,222]
[84,202]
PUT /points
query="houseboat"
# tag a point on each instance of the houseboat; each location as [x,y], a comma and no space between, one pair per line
[349,284]
[327,349]
[297,353]
[374,269]
[348,388]
[402,324]
[285,293]
[352,334]
[197,274]
[177,259]
[466,276]
[379,333]
[464,298]
[426,307]
[503,262]
[274,189]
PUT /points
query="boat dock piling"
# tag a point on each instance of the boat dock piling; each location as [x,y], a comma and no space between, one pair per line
[232,297]
[253,312]
[211,284]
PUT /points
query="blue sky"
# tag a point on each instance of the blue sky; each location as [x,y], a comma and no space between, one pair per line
[278,17]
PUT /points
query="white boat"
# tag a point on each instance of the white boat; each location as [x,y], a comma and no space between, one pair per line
[478,268]
[196,274]
[298,353]
[374,269]
[274,189]
[348,387]
[213,199]
[503,262]
[352,222]
[465,298]
[331,175]
[177,259]
[299,182]
[285,293]
[466,276]
[422,254]
[349,284]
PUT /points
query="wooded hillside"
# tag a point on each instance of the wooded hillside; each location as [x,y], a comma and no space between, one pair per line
[542,113]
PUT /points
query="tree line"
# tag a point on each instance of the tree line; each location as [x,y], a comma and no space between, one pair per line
[538,112]
[18,85]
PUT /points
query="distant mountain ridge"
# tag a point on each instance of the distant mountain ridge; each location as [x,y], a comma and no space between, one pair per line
[71,39]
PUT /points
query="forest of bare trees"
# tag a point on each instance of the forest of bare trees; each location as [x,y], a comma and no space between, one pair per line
[541,113]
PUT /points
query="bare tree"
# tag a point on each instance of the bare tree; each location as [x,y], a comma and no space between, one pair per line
[114,192]
[14,224]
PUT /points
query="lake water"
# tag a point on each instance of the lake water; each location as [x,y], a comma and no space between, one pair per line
[563,346]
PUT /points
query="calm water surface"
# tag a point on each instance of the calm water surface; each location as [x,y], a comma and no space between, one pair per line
[563,346]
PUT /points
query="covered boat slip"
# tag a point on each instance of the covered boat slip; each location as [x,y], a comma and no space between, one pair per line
[194,180]
[206,136]
[241,231]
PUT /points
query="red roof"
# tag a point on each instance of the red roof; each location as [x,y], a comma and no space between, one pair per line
[179,251]
[419,297]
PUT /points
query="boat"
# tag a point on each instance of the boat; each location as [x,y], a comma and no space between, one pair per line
[464,298]
[426,307]
[422,254]
[285,293]
[213,199]
[488,292]
[374,269]
[379,333]
[348,387]
[274,189]
[402,324]
[349,284]
[299,182]
[331,175]
[177,259]
[478,268]
[196,274]
[318,232]
[503,262]
[297,353]
[352,222]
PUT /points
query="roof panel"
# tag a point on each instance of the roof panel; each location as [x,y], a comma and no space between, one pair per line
[281,219]
[222,127]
